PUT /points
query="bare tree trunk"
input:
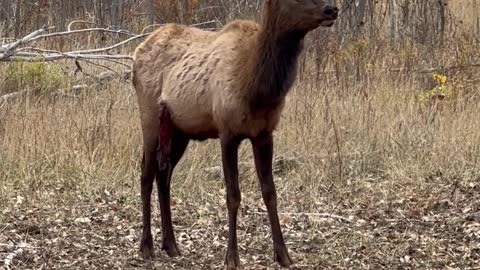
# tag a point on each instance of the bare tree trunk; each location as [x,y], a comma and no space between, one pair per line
[18,19]
[99,12]
[360,10]
[360,6]
[477,16]
[371,22]
[61,15]
[443,13]
[120,13]
[392,10]
[181,8]
[39,15]
[150,11]
[114,13]
[5,14]
[5,18]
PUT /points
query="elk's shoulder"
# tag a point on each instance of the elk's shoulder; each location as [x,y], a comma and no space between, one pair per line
[172,36]
[243,27]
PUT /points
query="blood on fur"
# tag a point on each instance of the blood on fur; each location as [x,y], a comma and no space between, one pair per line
[165,136]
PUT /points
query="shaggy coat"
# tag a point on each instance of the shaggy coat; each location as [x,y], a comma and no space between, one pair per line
[229,84]
[208,87]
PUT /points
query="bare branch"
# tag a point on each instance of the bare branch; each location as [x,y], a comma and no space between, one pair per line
[56,34]
[67,55]
[150,26]
[14,52]
[325,215]
[35,57]
[119,62]
[9,49]
[11,96]
[107,74]
[69,27]
[106,49]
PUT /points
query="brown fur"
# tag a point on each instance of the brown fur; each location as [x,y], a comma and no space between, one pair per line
[230,84]
[196,78]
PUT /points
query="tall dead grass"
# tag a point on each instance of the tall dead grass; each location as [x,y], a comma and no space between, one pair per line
[342,140]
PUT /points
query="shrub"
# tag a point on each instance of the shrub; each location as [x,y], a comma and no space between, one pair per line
[38,78]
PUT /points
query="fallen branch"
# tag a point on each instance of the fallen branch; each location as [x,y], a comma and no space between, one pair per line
[16,51]
[5,99]
[65,33]
[106,49]
[111,74]
[107,75]
[326,215]
[13,52]
[9,49]
[11,96]
[36,57]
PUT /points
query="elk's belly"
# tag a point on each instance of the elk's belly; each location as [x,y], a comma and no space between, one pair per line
[193,123]
[191,111]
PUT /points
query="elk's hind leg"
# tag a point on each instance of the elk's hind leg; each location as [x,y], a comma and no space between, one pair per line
[172,145]
[148,174]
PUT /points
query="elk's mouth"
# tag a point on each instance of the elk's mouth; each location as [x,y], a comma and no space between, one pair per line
[327,22]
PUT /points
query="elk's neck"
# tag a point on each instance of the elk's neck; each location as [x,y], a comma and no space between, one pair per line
[274,64]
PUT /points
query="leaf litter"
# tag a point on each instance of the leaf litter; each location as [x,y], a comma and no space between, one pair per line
[439,231]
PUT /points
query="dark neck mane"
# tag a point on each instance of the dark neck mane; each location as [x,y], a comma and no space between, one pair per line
[274,63]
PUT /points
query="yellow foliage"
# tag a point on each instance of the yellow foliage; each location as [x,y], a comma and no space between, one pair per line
[440,79]
[443,88]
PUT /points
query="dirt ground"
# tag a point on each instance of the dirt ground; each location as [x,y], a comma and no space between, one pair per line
[438,231]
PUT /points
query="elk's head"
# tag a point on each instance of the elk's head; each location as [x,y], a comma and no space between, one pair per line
[304,15]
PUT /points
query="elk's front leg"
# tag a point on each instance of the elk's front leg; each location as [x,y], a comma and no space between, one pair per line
[263,155]
[229,146]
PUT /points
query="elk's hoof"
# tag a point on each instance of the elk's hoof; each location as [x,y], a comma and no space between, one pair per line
[146,248]
[232,261]
[171,249]
[282,257]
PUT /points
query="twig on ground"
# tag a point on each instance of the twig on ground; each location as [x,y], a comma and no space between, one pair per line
[101,66]
[35,57]
[327,215]
[8,97]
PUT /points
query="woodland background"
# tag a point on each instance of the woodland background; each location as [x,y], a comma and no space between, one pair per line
[377,157]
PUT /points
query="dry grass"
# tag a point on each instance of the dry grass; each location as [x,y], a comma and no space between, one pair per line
[467,11]
[378,182]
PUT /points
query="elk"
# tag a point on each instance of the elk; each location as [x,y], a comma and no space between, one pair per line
[230,85]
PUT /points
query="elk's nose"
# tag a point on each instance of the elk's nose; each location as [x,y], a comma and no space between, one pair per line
[331,11]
